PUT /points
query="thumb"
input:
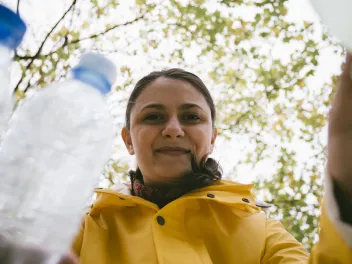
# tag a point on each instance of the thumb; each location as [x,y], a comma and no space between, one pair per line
[69,258]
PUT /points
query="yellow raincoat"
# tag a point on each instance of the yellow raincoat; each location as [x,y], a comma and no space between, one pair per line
[218,224]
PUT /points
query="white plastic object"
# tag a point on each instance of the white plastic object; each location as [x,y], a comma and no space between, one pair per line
[336,15]
[52,156]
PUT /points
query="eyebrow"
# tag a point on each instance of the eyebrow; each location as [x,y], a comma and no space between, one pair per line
[163,107]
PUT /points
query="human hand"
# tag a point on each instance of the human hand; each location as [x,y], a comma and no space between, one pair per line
[12,253]
[340,132]
[69,258]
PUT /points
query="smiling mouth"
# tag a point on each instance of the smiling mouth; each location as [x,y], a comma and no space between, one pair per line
[173,151]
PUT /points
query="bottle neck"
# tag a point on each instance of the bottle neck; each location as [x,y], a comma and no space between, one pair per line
[92,78]
[5,56]
[7,39]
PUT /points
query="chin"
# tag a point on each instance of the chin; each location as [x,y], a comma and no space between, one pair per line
[169,173]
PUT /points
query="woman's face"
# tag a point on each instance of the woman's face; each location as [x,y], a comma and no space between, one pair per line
[169,120]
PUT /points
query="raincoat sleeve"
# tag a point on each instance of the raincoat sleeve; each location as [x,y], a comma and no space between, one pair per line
[335,238]
[78,240]
[281,247]
[335,245]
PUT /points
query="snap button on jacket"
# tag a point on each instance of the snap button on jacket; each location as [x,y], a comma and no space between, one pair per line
[226,227]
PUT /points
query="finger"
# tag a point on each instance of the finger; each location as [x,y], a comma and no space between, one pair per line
[346,69]
[343,96]
[69,258]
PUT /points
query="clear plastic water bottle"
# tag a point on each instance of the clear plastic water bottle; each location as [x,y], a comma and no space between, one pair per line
[12,30]
[53,154]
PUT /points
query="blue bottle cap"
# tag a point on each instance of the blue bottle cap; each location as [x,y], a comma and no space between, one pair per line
[100,64]
[96,70]
[12,28]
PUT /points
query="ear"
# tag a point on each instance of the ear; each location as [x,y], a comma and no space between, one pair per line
[126,136]
[213,139]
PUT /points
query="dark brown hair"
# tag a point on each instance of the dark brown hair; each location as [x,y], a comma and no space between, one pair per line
[208,170]
[174,73]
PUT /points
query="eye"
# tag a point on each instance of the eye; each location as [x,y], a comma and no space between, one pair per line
[154,117]
[191,117]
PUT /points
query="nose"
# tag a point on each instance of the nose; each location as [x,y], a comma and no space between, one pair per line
[173,129]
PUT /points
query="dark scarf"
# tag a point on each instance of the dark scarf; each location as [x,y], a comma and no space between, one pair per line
[201,176]
[160,196]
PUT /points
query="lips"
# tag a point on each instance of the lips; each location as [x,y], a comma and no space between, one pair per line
[172,151]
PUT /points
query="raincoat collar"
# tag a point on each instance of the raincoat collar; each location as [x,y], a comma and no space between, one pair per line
[234,195]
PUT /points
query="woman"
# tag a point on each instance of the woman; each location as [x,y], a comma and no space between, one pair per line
[178,210]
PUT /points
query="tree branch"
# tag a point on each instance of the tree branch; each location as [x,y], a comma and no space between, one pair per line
[43,42]
[82,39]
[18,7]
[66,43]
[72,15]
[106,31]
[18,13]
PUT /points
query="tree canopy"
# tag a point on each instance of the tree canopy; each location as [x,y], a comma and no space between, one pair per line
[258,62]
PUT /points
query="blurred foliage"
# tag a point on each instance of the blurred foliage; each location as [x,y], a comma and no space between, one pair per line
[258,93]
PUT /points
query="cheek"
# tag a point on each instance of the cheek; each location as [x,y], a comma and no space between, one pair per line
[143,139]
[201,139]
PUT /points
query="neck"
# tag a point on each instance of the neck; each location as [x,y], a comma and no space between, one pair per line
[163,192]
[161,183]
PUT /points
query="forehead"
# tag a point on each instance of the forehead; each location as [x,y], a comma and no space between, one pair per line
[170,92]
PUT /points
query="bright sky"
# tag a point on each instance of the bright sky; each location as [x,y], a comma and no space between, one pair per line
[48,11]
